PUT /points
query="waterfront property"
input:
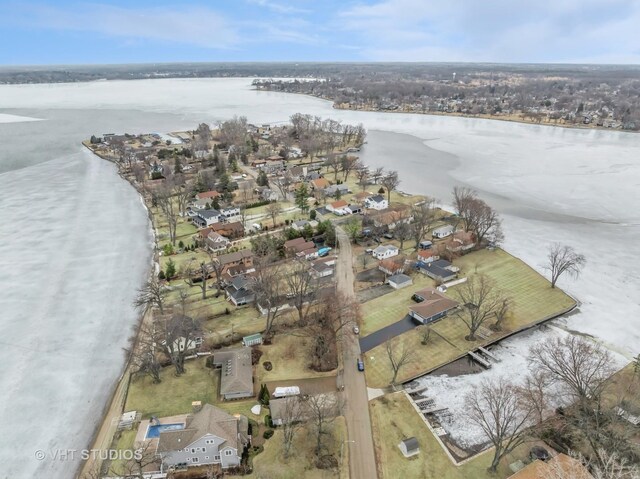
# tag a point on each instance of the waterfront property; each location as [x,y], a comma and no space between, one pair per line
[209,436]
[440,270]
[431,306]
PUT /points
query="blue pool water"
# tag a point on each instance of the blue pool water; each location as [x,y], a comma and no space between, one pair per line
[154,431]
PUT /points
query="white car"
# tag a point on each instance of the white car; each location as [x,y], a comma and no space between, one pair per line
[356,330]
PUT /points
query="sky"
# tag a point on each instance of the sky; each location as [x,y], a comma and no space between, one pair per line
[118,31]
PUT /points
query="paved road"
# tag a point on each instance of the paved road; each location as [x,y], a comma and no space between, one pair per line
[407,323]
[362,462]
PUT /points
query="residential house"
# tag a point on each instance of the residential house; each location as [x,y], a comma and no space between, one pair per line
[338,207]
[391,266]
[267,194]
[216,242]
[230,214]
[334,189]
[297,245]
[209,436]
[409,447]
[319,184]
[207,195]
[432,305]
[301,224]
[560,465]
[236,372]
[399,281]
[443,232]
[240,291]
[391,217]
[376,202]
[460,242]
[231,230]
[427,256]
[353,209]
[385,251]
[243,257]
[204,218]
[440,270]
[308,253]
[323,267]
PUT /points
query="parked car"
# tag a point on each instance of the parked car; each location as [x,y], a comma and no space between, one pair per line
[368,251]
[360,365]
[356,330]
[388,235]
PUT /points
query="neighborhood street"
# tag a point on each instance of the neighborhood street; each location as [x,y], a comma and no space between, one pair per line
[362,462]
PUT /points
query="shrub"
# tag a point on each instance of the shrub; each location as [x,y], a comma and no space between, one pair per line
[268,434]
[268,421]
[161,275]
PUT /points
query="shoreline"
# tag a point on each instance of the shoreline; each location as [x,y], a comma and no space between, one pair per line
[457,115]
[119,391]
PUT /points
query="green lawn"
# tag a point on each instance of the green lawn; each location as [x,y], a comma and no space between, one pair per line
[393,418]
[533,301]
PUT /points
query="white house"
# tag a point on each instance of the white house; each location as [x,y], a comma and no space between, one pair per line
[231,214]
[443,231]
[385,251]
[338,207]
[216,242]
[377,202]
[204,218]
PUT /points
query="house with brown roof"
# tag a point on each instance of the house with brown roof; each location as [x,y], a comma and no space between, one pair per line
[242,257]
[391,266]
[432,305]
[319,184]
[460,242]
[392,216]
[216,242]
[338,207]
[236,372]
[209,436]
[232,230]
[560,465]
[427,255]
[297,245]
[207,195]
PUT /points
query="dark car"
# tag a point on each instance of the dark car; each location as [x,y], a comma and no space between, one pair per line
[360,365]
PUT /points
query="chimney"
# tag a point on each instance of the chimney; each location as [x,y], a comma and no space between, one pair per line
[196,406]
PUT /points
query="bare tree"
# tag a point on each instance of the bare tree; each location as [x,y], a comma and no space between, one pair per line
[480,300]
[323,409]
[334,163]
[292,416]
[476,215]
[302,287]
[377,174]
[268,288]
[582,366]
[613,467]
[399,355]
[402,232]
[153,293]
[197,276]
[424,215]
[534,394]
[501,314]
[137,462]
[143,355]
[494,406]
[563,259]
[283,183]
[348,164]
[175,336]
[390,181]
[362,174]
[166,203]
[273,210]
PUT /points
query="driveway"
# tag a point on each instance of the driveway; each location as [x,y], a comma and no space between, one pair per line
[375,339]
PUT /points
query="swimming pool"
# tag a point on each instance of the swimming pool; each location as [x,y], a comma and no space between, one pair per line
[155,430]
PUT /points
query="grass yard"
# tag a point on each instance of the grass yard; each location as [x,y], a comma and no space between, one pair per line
[174,394]
[533,301]
[270,464]
[289,356]
[393,418]
[392,307]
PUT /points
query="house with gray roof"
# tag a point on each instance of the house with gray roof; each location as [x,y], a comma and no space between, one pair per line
[440,270]
[204,218]
[239,291]
[209,436]
[334,189]
[236,372]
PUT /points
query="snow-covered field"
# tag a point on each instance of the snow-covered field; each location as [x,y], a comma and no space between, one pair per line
[450,392]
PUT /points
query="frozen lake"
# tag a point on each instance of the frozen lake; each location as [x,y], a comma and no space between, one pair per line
[75,241]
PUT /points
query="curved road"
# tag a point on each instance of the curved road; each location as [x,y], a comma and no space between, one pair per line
[362,461]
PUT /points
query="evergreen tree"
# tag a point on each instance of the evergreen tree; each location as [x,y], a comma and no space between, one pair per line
[264,396]
[170,270]
[301,197]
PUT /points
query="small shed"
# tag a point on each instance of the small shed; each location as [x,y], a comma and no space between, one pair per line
[252,339]
[409,447]
[398,281]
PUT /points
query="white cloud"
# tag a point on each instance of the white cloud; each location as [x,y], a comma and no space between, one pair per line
[497,30]
[278,7]
[199,26]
